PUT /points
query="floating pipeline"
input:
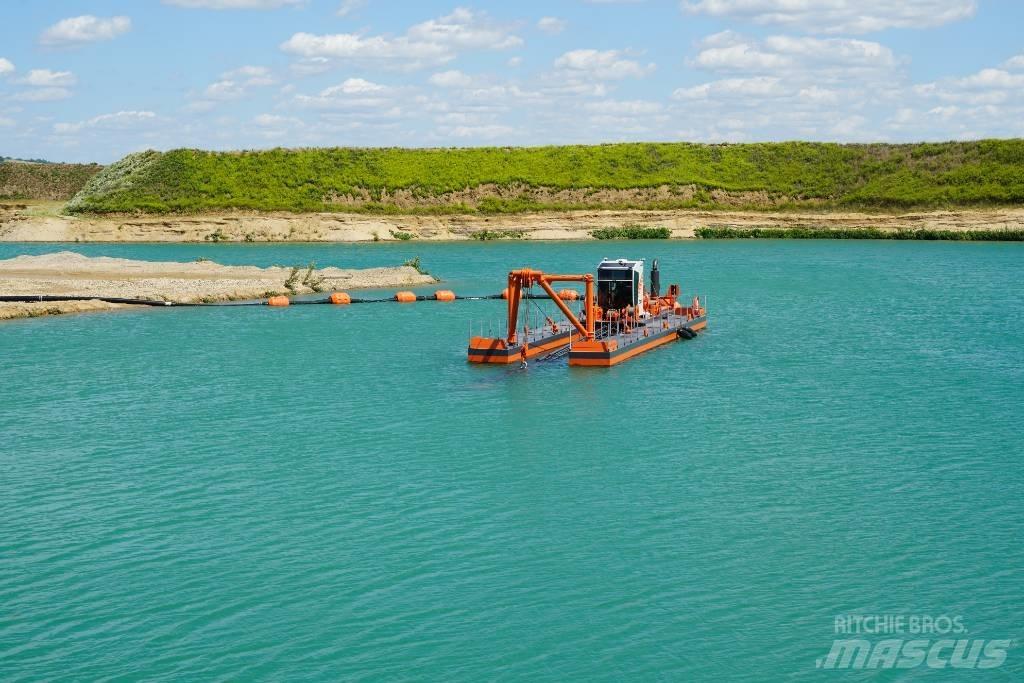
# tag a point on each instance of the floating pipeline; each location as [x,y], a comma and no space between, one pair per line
[335,299]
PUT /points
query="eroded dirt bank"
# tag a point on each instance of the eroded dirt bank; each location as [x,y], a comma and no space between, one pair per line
[21,224]
[69,273]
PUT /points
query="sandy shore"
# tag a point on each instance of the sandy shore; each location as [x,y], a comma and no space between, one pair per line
[73,274]
[28,223]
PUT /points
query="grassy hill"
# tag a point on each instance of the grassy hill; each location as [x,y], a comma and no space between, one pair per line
[635,175]
[43,180]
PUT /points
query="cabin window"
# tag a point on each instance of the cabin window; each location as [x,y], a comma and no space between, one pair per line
[615,288]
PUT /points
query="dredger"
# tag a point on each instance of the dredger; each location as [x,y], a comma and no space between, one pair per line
[619,318]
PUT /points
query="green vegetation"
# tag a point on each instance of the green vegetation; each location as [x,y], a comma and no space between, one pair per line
[511,180]
[487,235]
[400,235]
[43,180]
[291,283]
[812,233]
[414,262]
[310,279]
[632,232]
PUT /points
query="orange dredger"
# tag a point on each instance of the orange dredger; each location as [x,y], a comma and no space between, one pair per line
[618,319]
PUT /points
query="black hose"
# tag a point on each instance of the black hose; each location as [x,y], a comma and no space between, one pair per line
[36,298]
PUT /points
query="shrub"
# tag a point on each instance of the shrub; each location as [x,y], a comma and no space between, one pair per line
[812,233]
[486,235]
[414,262]
[631,232]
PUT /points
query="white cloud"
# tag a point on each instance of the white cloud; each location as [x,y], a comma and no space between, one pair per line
[6,67]
[603,65]
[272,126]
[791,86]
[233,85]
[848,126]
[838,16]
[353,93]
[991,78]
[355,86]
[514,61]
[251,76]
[485,132]
[742,57]
[119,120]
[275,121]
[944,112]
[734,88]
[451,79]
[1014,62]
[430,43]
[42,95]
[224,90]
[818,95]
[7,123]
[789,55]
[552,25]
[351,47]
[721,39]
[44,78]
[464,28]
[561,84]
[624,107]
[233,4]
[85,29]
[986,87]
[347,7]
[833,50]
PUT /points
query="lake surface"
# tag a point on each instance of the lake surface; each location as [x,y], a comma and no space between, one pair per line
[334,493]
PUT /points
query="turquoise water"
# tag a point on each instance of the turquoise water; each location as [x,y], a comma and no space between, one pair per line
[333,493]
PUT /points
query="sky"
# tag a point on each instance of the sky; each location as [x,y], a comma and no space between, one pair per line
[92,80]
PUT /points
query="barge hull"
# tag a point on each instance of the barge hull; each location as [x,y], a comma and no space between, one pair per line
[496,351]
[606,353]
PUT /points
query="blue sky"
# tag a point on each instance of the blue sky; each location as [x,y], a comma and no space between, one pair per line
[91,80]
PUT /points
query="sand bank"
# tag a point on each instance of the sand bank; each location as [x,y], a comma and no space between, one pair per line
[34,224]
[73,274]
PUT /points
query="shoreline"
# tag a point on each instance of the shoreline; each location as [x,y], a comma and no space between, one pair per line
[71,274]
[42,222]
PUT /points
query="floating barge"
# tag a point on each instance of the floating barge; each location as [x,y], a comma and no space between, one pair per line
[618,322]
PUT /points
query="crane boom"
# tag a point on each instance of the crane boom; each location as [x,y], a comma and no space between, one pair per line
[518,279]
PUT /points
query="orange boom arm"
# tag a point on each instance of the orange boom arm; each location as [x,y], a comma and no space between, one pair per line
[518,279]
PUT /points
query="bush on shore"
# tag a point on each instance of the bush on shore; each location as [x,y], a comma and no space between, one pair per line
[812,233]
[632,232]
